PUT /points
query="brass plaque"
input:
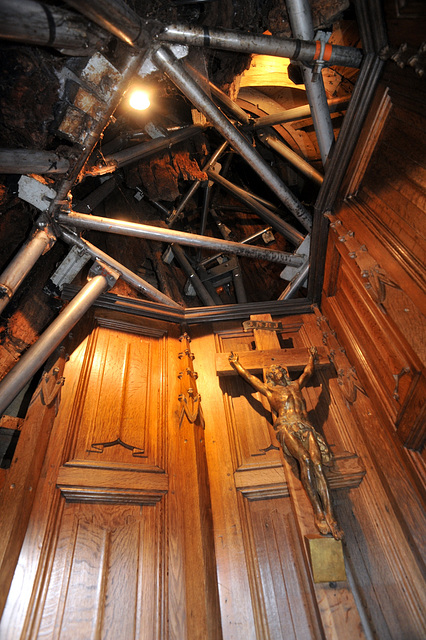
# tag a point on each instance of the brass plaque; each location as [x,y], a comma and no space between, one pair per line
[327,561]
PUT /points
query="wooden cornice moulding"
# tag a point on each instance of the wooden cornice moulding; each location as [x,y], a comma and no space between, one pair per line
[346,472]
[148,309]
[83,483]
[129,327]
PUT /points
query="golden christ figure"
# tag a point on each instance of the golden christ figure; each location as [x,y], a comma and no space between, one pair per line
[297,436]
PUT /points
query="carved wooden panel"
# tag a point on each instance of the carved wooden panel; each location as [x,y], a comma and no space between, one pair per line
[120,540]
[126,372]
[105,578]
[94,559]
[362,301]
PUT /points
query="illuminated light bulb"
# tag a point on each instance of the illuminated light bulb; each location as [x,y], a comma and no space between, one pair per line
[139,100]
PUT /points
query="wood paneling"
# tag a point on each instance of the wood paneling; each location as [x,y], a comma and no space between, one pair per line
[119,540]
[284,600]
[21,480]
[126,373]
[373,302]
[205,537]
[240,608]
[383,518]
[374,277]
[99,574]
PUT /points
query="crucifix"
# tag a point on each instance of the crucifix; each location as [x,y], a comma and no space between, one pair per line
[297,436]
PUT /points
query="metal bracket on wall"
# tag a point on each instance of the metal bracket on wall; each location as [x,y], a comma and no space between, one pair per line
[189,396]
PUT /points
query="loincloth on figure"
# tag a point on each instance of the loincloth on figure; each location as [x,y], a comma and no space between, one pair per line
[301,431]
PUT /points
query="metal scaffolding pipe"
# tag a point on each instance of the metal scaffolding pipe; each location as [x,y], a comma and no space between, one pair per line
[91,201]
[200,289]
[206,261]
[41,24]
[298,113]
[256,235]
[226,102]
[265,203]
[118,18]
[205,212]
[121,227]
[323,126]
[127,275]
[31,161]
[300,163]
[300,16]
[38,353]
[296,283]
[165,59]
[304,49]
[240,292]
[229,105]
[25,259]
[139,151]
[195,185]
[268,216]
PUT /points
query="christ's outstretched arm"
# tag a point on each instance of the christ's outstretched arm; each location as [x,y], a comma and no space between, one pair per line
[255,382]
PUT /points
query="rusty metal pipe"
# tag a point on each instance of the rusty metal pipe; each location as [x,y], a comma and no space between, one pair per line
[121,227]
[38,353]
[23,262]
[300,48]
[165,59]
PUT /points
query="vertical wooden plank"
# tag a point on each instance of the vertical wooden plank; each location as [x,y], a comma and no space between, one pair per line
[283,570]
[22,600]
[238,619]
[19,488]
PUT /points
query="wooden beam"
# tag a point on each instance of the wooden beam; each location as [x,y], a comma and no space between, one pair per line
[256,361]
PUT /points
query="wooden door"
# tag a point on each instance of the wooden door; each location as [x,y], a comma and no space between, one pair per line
[118,543]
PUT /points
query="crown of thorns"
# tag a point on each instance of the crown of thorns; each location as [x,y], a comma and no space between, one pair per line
[276,367]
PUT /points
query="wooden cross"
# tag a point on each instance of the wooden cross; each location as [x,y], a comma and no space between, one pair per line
[346,470]
[326,561]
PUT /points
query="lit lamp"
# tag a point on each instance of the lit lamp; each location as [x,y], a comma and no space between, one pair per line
[139,100]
